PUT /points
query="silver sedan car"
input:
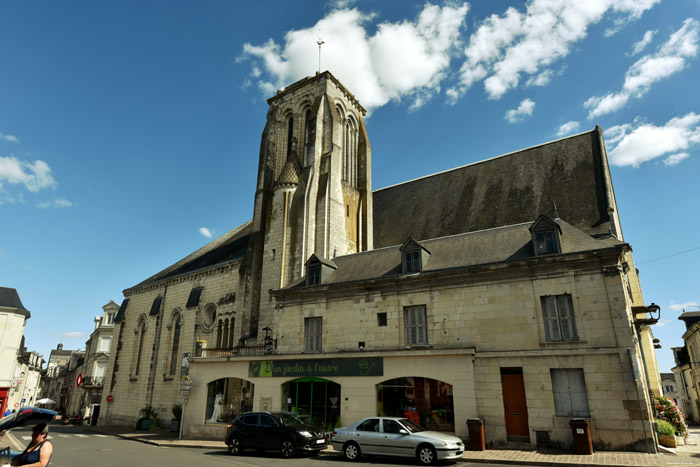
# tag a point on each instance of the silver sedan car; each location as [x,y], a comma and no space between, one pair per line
[395,436]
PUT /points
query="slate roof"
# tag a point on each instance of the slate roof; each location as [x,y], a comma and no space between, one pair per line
[9,298]
[229,247]
[510,189]
[499,245]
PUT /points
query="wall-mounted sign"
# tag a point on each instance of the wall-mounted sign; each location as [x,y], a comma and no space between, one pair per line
[110,398]
[372,366]
[79,379]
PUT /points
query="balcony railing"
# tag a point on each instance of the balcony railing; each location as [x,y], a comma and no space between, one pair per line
[94,381]
[241,351]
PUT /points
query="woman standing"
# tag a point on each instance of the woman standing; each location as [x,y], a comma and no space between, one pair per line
[39,451]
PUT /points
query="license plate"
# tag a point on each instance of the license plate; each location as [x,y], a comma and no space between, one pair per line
[320,441]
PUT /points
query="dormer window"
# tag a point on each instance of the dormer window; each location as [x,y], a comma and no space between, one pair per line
[545,236]
[411,261]
[318,270]
[414,257]
[314,275]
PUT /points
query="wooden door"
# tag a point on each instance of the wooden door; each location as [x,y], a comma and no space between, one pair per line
[515,404]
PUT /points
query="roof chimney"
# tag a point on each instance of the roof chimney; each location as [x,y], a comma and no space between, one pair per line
[60,347]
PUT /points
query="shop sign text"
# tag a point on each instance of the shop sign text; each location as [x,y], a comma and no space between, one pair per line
[373,366]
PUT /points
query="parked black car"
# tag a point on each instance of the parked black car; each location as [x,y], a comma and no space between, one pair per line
[274,431]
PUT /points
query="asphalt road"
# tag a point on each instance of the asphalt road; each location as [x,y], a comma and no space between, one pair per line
[79,447]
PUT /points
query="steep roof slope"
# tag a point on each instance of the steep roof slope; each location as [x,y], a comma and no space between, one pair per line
[506,190]
[230,246]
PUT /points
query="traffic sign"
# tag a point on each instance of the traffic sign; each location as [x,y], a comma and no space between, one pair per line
[79,379]
[110,398]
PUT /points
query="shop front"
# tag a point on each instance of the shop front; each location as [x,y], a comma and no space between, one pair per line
[435,391]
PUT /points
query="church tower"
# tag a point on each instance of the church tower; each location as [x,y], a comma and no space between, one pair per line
[314,193]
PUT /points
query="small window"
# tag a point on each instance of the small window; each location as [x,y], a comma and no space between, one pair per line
[416,325]
[570,397]
[412,261]
[314,275]
[546,242]
[193,299]
[313,334]
[381,319]
[110,318]
[559,320]
[155,308]
[369,425]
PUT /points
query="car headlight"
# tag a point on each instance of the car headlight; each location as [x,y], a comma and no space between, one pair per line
[306,434]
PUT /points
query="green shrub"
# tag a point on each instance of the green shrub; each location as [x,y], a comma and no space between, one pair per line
[667,410]
[665,428]
[148,413]
[177,412]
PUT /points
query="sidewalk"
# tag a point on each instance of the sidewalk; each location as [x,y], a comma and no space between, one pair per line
[687,455]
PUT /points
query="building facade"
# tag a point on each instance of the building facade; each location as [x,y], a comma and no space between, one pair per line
[687,369]
[19,369]
[502,289]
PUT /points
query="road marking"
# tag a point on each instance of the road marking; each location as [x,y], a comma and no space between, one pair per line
[81,436]
[64,436]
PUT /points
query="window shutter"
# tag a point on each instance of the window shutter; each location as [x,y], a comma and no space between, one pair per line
[566,318]
[551,323]
[577,389]
[422,325]
[560,389]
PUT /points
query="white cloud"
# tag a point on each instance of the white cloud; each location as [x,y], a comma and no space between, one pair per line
[72,335]
[407,59]
[524,109]
[55,203]
[35,176]
[505,47]
[682,306]
[341,4]
[10,138]
[206,232]
[638,142]
[670,58]
[568,128]
[639,46]
[674,159]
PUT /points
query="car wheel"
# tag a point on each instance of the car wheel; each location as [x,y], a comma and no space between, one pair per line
[287,448]
[426,454]
[351,451]
[234,446]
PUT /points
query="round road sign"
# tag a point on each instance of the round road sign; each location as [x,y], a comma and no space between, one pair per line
[110,398]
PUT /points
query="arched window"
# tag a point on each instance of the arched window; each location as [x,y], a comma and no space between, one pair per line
[219,331]
[230,335]
[350,152]
[224,337]
[141,333]
[290,134]
[176,347]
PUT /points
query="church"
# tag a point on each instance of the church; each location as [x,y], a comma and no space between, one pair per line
[500,290]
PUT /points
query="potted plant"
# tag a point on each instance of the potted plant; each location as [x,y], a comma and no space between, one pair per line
[148,419]
[666,434]
[177,418]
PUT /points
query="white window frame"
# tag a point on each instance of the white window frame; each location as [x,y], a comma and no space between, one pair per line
[559,319]
[416,325]
[313,334]
[569,391]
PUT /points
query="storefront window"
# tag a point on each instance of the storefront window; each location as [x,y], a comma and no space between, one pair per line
[314,400]
[427,402]
[228,397]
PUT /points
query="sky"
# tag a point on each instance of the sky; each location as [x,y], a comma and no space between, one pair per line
[130,131]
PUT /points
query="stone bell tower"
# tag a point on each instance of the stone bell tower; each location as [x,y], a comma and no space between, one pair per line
[314,193]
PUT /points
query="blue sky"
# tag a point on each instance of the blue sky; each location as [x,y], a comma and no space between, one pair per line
[130,131]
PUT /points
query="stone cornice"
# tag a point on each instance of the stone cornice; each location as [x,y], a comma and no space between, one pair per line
[222,268]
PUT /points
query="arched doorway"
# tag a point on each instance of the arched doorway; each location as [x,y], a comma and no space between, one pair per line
[428,402]
[228,397]
[314,400]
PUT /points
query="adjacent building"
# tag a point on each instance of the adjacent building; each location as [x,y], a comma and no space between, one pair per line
[19,369]
[503,289]
[687,370]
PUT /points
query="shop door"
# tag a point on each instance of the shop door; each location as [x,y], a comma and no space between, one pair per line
[3,400]
[515,404]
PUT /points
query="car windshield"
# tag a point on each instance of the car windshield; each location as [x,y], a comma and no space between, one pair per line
[289,419]
[411,426]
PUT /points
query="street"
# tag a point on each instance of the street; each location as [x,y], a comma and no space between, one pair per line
[80,447]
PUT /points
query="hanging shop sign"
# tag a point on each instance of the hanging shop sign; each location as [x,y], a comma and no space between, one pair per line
[373,366]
